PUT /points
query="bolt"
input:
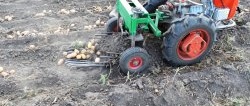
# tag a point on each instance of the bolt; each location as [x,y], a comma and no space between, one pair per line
[135,63]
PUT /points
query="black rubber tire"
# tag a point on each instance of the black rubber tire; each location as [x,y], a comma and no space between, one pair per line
[130,53]
[178,30]
[111,24]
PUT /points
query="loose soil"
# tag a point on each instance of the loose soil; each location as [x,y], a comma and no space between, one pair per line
[223,78]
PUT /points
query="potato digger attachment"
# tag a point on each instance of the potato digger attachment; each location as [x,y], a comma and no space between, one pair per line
[89,55]
[187,29]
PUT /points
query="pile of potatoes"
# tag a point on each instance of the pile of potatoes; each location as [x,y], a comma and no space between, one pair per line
[5,73]
[98,23]
[86,53]
[99,9]
[7,18]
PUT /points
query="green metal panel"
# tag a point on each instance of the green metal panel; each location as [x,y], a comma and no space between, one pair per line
[131,22]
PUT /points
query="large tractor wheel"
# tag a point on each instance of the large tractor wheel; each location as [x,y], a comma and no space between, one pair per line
[189,40]
[112,25]
[134,60]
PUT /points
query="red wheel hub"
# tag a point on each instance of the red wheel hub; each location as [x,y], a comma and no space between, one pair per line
[135,63]
[193,44]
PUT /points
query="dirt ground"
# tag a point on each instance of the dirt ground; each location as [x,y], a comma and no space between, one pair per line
[223,78]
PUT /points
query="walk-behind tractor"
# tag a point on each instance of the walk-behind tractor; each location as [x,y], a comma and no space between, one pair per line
[187,27]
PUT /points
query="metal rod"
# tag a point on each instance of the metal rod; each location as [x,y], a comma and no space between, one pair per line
[103,34]
[84,62]
[112,53]
[72,60]
[85,65]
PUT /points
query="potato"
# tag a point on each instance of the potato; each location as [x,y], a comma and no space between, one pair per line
[1,19]
[1,69]
[60,62]
[156,91]
[71,55]
[72,25]
[73,11]
[90,44]
[25,33]
[97,59]
[76,51]
[83,51]
[86,27]
[88,50]
[98,9]
[109,7]
[65,53]
[5,74]
[102,23]
[92,48]
[74,54]
[91,51]
[98,53]
[83,56]
[87,56]
[40,14]
[18,33]
[8,18]
[98,22]
[94,26]
[10,36]
[64,11]
[78,57]
[32,47]
[12,71]
[90,27]
[33,34]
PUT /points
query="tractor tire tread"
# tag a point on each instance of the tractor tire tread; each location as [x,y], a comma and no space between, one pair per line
[176,32]
[127,53]
[111,23]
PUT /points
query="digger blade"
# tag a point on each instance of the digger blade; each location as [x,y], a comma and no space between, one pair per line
[74,63]
[111,33]
[106,58]
[81,64]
